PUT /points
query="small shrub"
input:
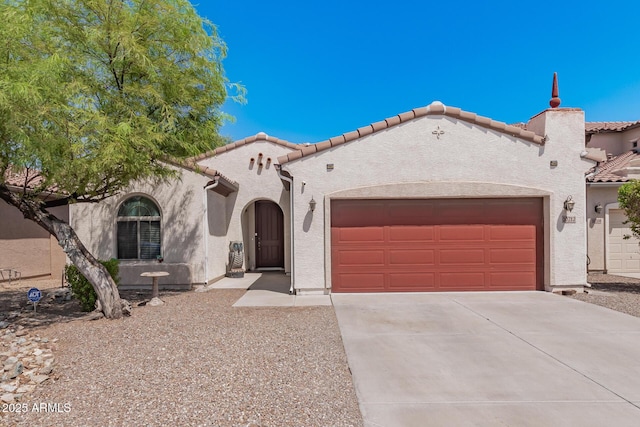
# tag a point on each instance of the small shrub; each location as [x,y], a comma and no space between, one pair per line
[82,289]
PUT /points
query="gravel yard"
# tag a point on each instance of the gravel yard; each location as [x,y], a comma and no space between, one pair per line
[195,361]
[615,292]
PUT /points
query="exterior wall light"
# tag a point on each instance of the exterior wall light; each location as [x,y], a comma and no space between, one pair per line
[599,208]
[312,204]
[569,204]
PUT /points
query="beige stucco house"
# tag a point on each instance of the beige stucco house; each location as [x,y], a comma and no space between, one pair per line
[433,199]
[609,250]
[25,247]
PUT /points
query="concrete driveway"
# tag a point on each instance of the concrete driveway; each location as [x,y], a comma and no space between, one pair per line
[490,359]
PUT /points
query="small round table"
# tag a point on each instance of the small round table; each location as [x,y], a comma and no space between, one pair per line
[155,295]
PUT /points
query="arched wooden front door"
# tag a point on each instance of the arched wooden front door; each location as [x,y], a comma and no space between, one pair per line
[269,235]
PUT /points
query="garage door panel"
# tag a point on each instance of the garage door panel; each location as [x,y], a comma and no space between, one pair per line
[462,256]
[360,235]
[615,248]
[461,280]
[512,233]
[464,246]
[411,257]
[459,209]
[457,233]
[361,282]
[411,233]
[633,265]
[512,256]
[410,212]
[513,280]
[412,281]
[364,257]
[623,255]
[632,247]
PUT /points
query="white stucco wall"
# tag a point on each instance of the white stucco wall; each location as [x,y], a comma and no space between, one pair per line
[615,143]
[463,157]
[181,206]
[255,183]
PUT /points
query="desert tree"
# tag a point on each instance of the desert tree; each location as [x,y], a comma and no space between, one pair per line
[94,94]
[629,201]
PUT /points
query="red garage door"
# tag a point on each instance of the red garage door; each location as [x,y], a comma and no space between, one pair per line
[436,245]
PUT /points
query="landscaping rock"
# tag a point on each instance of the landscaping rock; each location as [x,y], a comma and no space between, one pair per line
[24,359]
[8,388]
[39,379]
[13,371]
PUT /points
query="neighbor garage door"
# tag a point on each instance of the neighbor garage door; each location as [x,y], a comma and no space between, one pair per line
[624,254]
[436,245]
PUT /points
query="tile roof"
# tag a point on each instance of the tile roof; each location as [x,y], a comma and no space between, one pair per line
[606,171]
[190,164]
[435,108]
[261,136]
[29,177]
[596,127]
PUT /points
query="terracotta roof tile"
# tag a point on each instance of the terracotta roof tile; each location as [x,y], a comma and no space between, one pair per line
[351,136]
[499,126]
[365,130]
[190,164]
[435,108]
[310,149]
[392,121]
[261,136]
[377,126]
[605,171]
[324,145]
[467,116]
[31,179]
[18,179]
[484,121]
[595,127]
[520,125]
[405,117]
[337,140]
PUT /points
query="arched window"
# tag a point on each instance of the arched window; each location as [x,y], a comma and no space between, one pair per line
[138,229]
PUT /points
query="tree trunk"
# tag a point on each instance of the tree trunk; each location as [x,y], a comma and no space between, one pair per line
[96,274]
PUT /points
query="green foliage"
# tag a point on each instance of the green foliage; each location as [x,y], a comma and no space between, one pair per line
[629,200]
[82,289]
[95,93]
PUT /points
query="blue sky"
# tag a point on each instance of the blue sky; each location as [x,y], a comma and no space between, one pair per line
[314,70]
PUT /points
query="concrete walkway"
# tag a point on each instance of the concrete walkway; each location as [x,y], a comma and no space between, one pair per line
[489,359]
[269,289]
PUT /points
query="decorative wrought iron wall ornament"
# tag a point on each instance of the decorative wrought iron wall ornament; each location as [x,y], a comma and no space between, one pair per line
[438,132]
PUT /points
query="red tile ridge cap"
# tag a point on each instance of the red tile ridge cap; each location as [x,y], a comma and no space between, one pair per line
[434,109]
[191,165]
[260,136]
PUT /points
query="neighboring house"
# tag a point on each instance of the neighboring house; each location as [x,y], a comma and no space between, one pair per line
[25,246]
[609,250]
[433,199]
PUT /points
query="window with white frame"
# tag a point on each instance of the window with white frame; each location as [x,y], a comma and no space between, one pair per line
[138,229]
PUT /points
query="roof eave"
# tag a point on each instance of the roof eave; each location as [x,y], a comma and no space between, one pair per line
[224,187]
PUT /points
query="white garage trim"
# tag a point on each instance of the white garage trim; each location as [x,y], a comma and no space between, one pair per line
[607,208]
